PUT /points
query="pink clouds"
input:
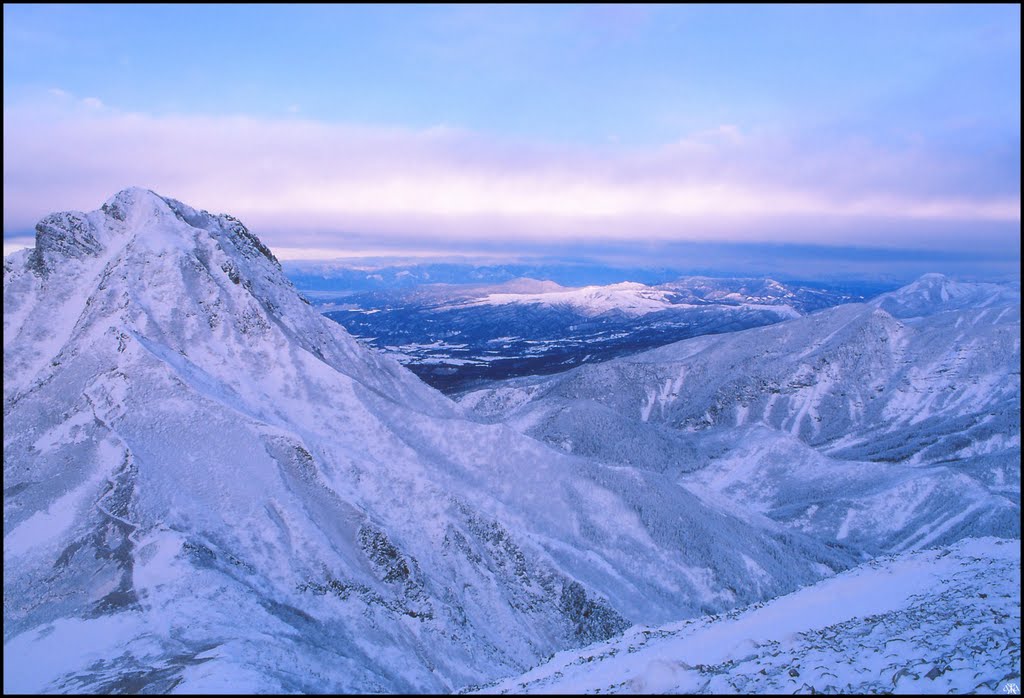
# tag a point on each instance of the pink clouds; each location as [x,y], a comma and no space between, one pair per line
[300,182]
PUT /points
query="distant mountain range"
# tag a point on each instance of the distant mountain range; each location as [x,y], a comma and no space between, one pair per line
[456,337]
[386,275]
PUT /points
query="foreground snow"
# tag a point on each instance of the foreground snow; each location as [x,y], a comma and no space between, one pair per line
[936,621]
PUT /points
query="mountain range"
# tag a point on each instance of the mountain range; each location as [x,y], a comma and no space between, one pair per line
[211,487]
[894,423]
[464,336]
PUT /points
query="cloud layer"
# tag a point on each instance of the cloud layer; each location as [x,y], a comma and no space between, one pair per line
[310,184]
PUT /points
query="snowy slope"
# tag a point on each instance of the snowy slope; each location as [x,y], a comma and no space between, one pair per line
[938,621]
[211,487]
[847,424]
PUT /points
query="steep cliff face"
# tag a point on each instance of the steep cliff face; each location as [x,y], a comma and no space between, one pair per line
[208,486]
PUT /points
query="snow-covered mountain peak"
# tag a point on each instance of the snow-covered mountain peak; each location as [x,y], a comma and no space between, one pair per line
[141,216]
[210,484]
[933,286]
[131,213]
[148,266]
[624,286]
[525,284]
[135,205]
[137,217]
[75,235]
[685,295]
[935,293]
[631,298]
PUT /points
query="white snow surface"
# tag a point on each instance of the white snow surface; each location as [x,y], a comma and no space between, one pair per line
[629,298]
[937,621]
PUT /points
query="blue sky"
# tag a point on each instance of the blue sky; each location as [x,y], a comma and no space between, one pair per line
[340,129]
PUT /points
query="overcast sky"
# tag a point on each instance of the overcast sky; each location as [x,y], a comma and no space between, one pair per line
[351,130]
